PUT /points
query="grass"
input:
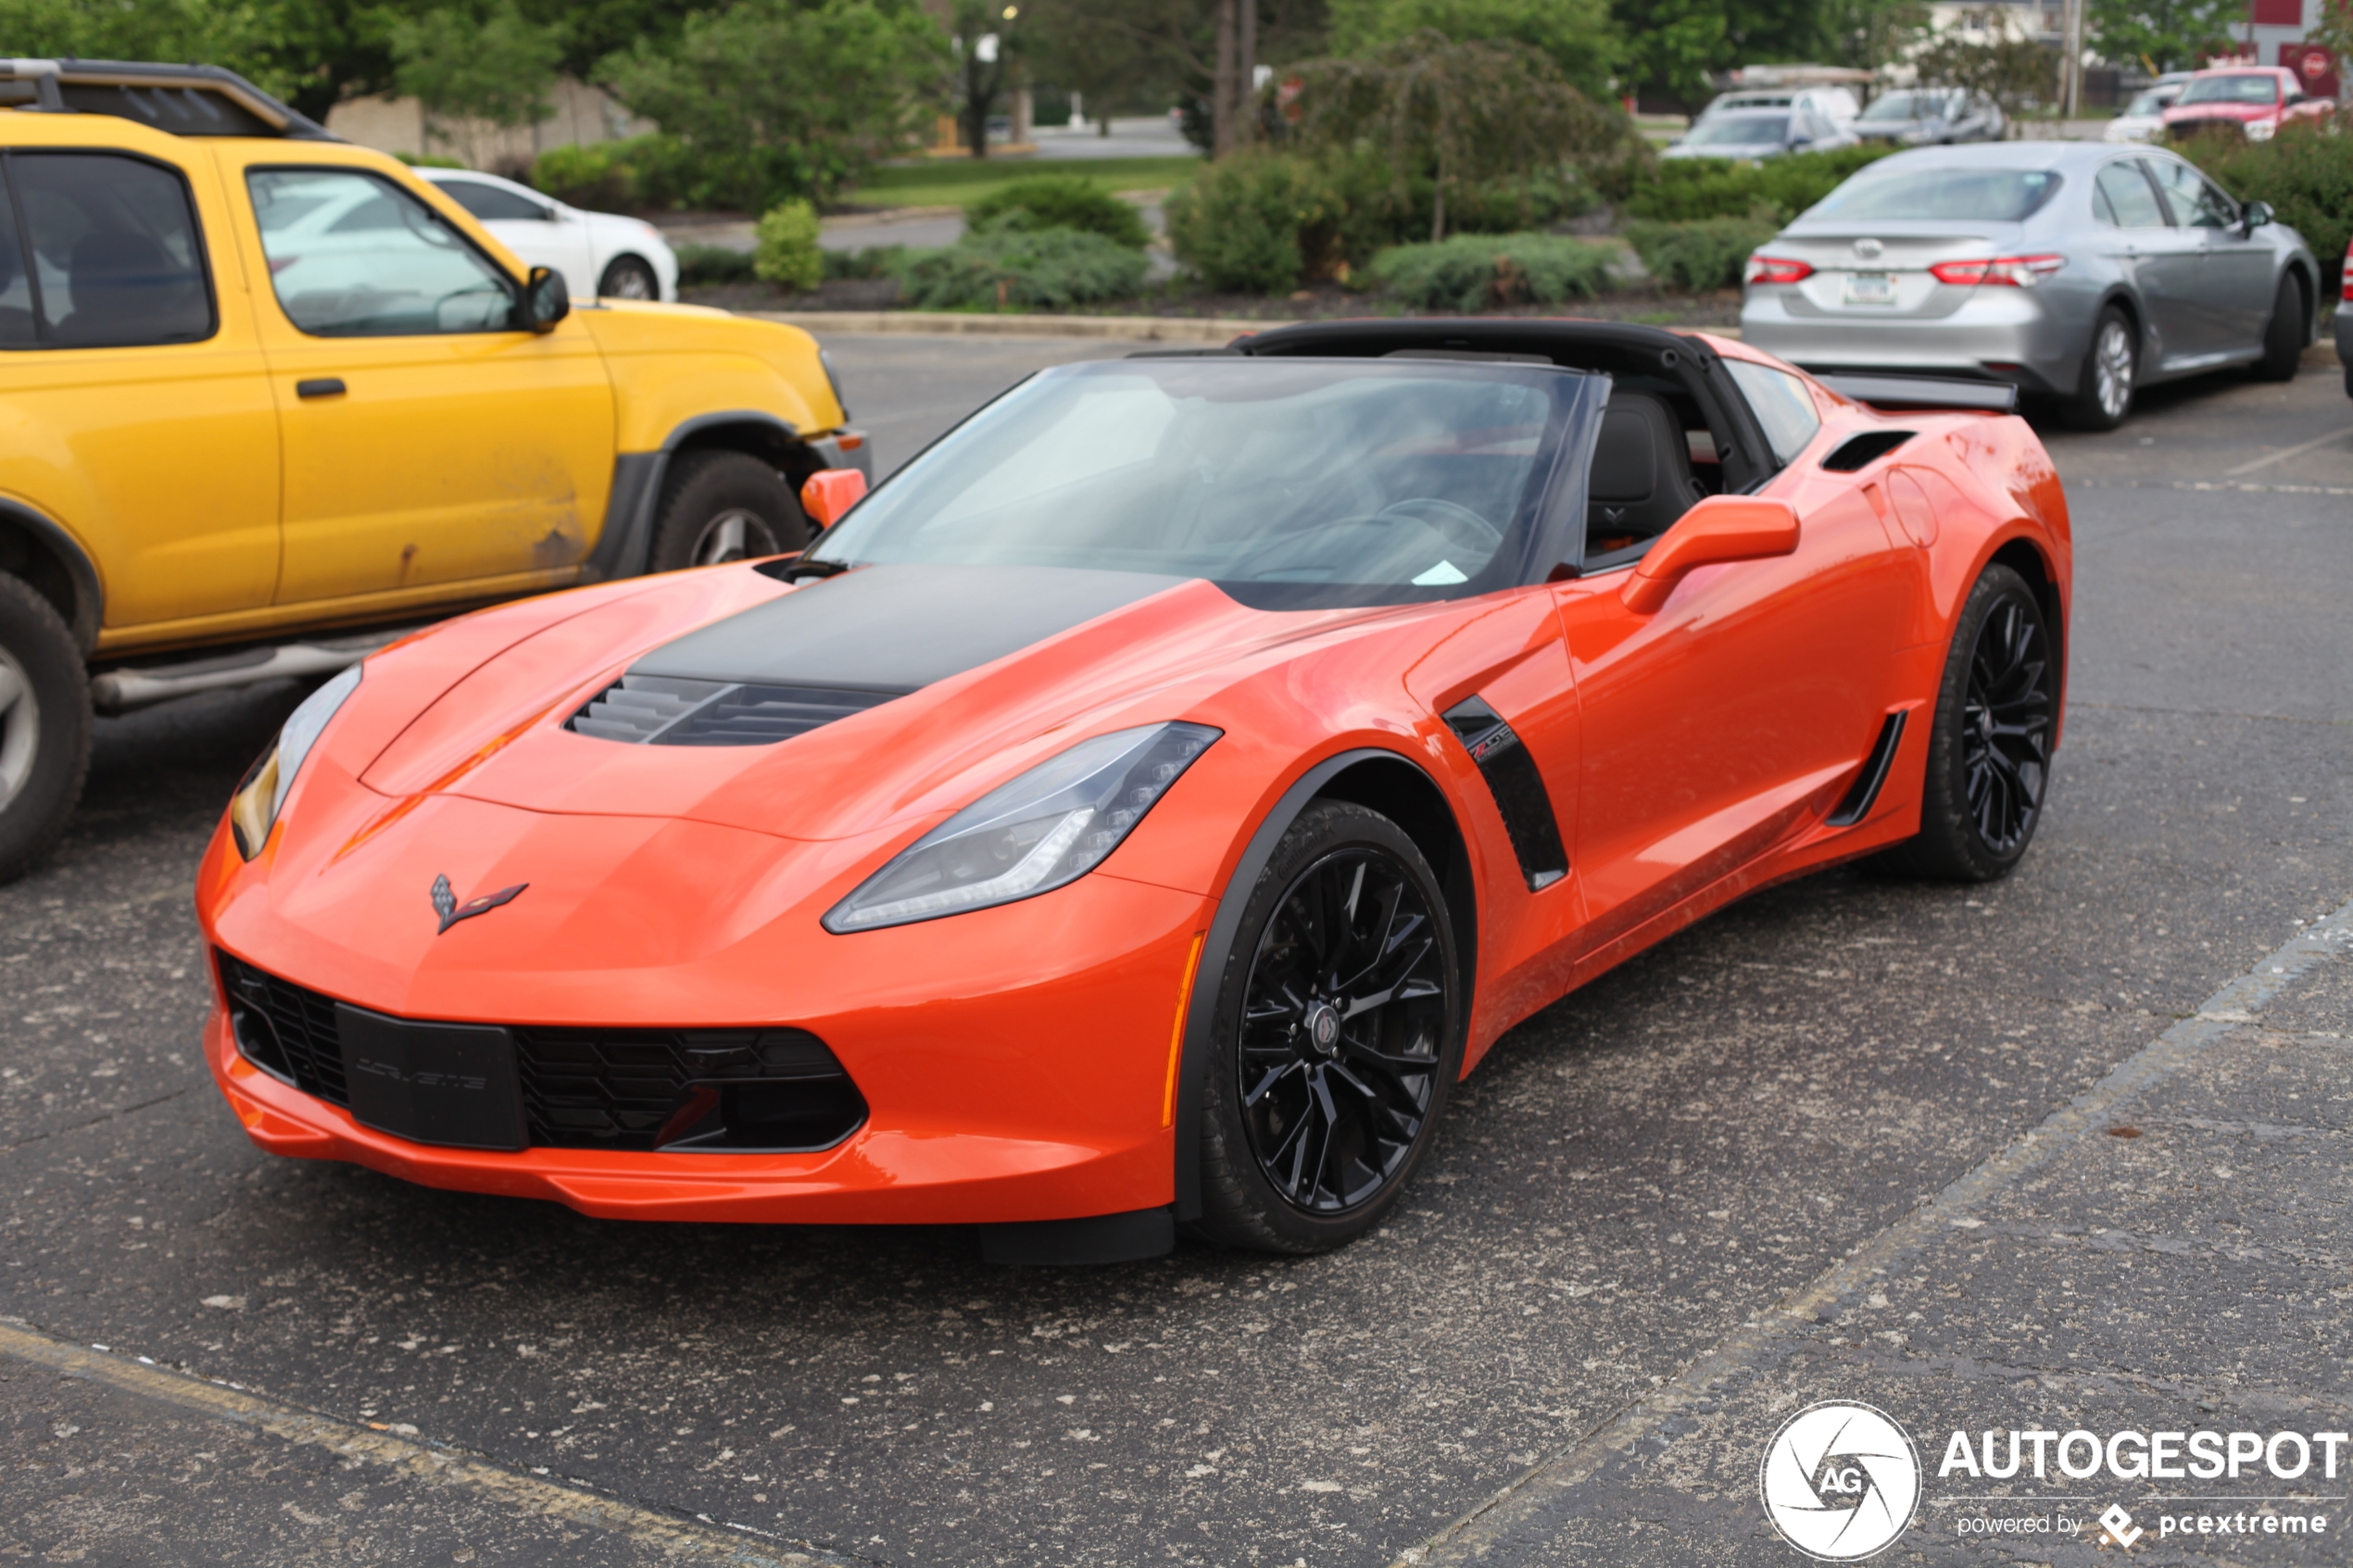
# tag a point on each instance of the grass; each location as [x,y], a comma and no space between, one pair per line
[961,182]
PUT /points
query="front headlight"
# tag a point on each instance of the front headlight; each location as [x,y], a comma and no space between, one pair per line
[2262,130]
[253,810]
[1052,825]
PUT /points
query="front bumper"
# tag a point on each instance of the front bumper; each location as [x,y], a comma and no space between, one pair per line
[1997,333]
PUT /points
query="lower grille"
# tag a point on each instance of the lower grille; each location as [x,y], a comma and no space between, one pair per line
[716,1090]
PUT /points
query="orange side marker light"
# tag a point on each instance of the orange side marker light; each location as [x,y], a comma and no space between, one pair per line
[1177,1036]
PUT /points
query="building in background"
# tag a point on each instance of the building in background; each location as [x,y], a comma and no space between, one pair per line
[395,125]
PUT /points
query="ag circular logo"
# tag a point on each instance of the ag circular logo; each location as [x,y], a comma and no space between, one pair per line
[1840,1480]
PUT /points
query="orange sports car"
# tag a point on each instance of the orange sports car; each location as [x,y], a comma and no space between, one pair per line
[1135,814]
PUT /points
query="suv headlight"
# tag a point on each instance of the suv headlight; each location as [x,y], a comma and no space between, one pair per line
[1052,825]
[253,810]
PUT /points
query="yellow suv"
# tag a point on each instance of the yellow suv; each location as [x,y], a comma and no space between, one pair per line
[268,398]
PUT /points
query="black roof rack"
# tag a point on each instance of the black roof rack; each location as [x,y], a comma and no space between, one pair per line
[185,100]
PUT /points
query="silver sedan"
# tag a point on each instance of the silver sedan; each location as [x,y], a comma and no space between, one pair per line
[2076,271]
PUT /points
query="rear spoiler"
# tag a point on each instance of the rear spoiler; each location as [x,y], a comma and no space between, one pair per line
[1923,392]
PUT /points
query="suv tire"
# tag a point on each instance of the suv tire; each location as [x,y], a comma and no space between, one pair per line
[44,726]
[719,506]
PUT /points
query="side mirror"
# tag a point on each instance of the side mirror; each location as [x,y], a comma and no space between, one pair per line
[545,300]
[1721,528]
[831,492]
[2253,216]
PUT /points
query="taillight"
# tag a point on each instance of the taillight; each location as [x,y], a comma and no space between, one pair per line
[1775,269]
[2012,272]
[2348,270]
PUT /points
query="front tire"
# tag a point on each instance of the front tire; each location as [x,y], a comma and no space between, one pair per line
[1338,1030]
[2284,339]
[45,727]
[724,506]
[2104,391]
[629,277]
[1989,753]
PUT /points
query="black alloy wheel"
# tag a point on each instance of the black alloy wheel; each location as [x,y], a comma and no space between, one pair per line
[629,277]
[1989,758]
[1338,1034]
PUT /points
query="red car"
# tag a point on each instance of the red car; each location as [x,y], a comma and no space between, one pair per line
[2255,100]
[1141,808]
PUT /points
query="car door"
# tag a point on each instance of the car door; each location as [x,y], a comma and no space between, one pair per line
[2172,267]
[540,232]
[432,447]
[1730,718]
[2230,276]
[136,401]
[2157,262]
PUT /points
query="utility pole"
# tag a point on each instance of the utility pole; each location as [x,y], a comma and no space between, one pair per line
[1246,75]
[2072,62]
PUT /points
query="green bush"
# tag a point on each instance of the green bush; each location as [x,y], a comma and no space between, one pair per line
[703,265]
[1264,222]
[1680,190]
[865,264]
[2306,173]
[640,174]
[1704,254]
[1063,201]
[785,249]
[1473,272]
[1003,267]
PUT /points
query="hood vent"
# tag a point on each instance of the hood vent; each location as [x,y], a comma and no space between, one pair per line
[667,710]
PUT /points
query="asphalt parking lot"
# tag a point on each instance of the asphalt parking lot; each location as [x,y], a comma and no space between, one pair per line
[1855,1138]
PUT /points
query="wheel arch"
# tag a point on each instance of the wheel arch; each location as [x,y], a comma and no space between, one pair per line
[53,562]
[2025,557]
[626,542]
[1379,780]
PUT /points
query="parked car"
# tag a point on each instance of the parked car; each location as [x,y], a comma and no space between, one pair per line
[1148,805]
[2143,119]
[2072,271]
[1759,133]
[1837,105]
[2255,100]
[1919,116]
[601,255]
[272,399]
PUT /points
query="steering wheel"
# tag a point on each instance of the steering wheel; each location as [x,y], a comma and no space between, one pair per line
[1460,524]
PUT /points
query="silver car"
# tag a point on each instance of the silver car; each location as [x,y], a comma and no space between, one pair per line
[1760,134]
[2073,270]
[1915,116]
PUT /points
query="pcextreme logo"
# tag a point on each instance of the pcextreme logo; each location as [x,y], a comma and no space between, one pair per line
[1840,1481]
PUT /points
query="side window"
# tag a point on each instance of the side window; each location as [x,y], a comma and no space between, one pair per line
[2195,202]
[352,254]
[490,204]
[2121,198]
[109,255]
[1781,405]
[16,282]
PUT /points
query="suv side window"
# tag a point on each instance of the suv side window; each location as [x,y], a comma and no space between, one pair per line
[2122,199]
[16,282]
[353,255]
[107,255]
[1780,403]
[2196,203]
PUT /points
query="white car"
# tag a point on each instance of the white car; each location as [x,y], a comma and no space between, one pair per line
[2143,119]
[1836,105]
[601,255]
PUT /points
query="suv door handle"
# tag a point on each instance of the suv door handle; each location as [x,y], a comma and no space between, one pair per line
[325,387]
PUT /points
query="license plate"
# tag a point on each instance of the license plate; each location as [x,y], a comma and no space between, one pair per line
[1869,288]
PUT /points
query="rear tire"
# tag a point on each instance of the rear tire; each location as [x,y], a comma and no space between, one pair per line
[1338,1031]
[629,277]
[2111,371]
[721,505]
[45,727]
[2284,339]
[1989,754]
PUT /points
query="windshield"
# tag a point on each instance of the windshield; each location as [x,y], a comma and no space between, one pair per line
[1289,482]
[1905,106]
[1996,195]
[2231,89]
[1740,130]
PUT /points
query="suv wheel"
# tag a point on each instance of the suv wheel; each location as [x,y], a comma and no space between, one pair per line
[719,506]
[45,727]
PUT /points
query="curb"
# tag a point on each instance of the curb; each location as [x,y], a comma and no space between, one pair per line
[1216,330]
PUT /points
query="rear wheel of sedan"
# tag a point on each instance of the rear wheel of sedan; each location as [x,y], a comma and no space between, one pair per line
[723,506]
[44,726]
[2104,393]
[1338,1033]
[1989,754]
[2284,339]
[629,277]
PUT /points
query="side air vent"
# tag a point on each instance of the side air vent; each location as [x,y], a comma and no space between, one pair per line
[1518,789]
[666,710]
[1861,451]
[1864,792]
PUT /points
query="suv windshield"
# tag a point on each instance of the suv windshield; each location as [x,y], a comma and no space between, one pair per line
[1908,106]
[1289,482]
[2231,89]
[1998,196]
[1740,130]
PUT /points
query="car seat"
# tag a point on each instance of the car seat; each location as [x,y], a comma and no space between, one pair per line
[1642,480]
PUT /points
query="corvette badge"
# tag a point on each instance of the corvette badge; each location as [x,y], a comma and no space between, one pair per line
[446,905]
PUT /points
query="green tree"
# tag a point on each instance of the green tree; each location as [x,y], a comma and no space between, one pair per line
[311,52]
[987,38]
[2169,34]
[1673,46]
[495,69]
[1578,36]
[1868,34]
[2016,72]
[777,99]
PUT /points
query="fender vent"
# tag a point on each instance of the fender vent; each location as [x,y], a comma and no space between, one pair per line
[1518,789]
[1862,451]
[666,710]
[1864,791]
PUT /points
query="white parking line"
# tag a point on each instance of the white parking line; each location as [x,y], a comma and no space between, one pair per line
[673,1537]
[1502,1529]
[2282,455]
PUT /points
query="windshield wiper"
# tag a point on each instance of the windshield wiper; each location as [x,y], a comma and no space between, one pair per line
[794,568]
